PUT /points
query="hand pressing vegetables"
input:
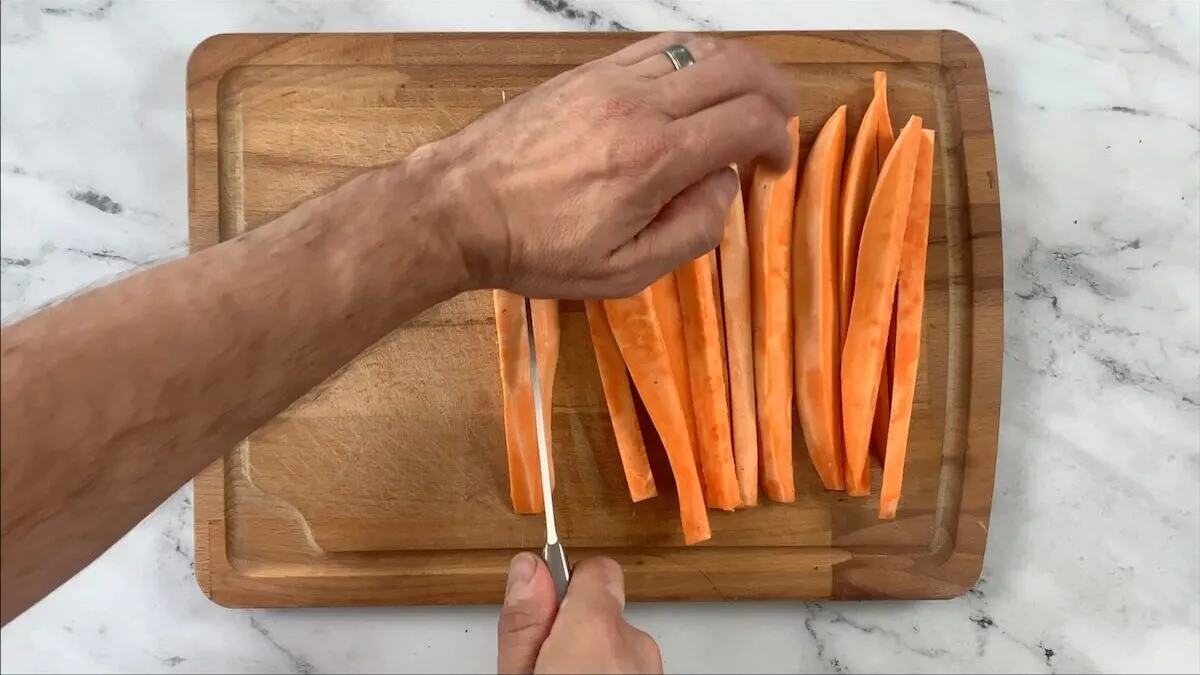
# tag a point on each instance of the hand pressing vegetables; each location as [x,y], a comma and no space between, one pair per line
[815,293]
[524,473]
[871,307]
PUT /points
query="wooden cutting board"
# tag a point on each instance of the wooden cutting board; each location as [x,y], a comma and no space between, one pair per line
[387,484]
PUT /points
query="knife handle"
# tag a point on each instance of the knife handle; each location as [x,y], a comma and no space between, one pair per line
[560,571]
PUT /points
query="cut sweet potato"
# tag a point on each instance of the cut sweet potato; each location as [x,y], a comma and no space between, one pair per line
[706,364]
[871,309]
[618,396]
[520,433]
[815,295]
[857,185]
[910,306]
[635,325]
[665,294]
[735,291]
[769,219]
[885,138]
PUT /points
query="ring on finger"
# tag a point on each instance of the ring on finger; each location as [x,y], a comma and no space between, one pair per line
[662,61]
[680,56]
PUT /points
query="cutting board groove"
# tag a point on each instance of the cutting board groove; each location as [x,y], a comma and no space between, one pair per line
[386,484]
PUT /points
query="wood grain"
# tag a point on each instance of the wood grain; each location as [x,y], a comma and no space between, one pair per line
[386,484]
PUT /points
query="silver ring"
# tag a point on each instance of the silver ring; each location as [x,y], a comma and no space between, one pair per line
[680,56]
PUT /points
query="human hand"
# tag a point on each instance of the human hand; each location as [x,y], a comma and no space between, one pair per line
[587,634]
[610,175]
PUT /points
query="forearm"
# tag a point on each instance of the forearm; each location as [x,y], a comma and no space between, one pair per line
[114,399]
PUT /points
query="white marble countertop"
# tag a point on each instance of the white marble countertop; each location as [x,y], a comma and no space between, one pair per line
[1095,539]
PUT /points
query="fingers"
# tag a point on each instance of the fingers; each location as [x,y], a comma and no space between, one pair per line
[689,226]
[642,49]
[738,131]
[597,589]
[590,634]
[724,70]
[528,613]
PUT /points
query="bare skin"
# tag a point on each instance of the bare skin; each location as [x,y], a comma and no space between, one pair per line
[592,185]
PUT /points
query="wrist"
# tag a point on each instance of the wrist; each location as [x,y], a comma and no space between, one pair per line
[453,207]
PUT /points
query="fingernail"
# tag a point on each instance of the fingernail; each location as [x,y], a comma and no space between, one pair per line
[520,574]
[729,184]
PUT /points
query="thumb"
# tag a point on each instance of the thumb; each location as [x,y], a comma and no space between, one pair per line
[690,225]
[529,609]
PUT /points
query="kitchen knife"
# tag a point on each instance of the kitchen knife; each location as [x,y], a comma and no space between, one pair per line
[553,553]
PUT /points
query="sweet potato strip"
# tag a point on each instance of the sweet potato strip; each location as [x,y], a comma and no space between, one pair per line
[635,325]
[520,434]
[871,309]
[547,336]
[857,184]
[739,347]
[665,294]
[910,306]
[769,219]
[885,138]
[815,296]
[710,392]
[618,395]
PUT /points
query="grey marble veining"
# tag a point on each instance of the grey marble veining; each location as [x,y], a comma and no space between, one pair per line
[1095,537]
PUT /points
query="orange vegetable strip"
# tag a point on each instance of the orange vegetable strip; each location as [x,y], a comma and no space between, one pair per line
[874,293]
[769,233]
[885,138]
[665,293]
[910,305]
[638,332]
[815,288]
[618,395]
[857,185]
[520,434]
[735,291]
[706,364]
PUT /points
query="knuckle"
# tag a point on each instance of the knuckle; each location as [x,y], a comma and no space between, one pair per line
[746,56]
[636,153]
[705,47]
[758,113]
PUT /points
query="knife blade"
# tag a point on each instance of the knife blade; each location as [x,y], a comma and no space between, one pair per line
[553,553]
